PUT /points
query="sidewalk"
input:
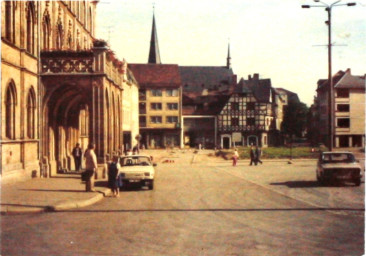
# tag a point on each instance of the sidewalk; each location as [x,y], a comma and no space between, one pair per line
[50,194]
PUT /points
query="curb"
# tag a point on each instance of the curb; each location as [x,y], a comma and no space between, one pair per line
[58,207]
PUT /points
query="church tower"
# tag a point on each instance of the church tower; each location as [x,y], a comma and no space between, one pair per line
[228,59]
[154,54]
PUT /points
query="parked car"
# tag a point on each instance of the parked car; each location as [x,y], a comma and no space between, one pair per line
[338,166]
[137,169]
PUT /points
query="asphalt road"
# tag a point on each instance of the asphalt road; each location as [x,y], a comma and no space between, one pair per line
[204,209]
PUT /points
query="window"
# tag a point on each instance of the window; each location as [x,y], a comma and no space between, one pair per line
[142,120]
[235,106]
[172,92]
[155,106]
[250,105]
[235,121]
[46,32]
[156,93]
[172,119]
[9,21]
[10,102]
[343,122]
[155,119]
[342,93]
[250,121]
[31,111]
[142,94]
[59,35]
[172,106]
[343,107]
[30,27]
[142,108]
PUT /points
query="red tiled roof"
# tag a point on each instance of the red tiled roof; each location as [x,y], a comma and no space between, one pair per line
[156,75]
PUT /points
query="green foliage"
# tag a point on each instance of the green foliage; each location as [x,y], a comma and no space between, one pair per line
[274,152]
[295,118]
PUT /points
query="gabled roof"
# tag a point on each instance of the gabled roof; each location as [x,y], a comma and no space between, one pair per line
[156,75]
[293,97]
[261,89]
[204,105]
[350,81]
[197,78]
[343,79]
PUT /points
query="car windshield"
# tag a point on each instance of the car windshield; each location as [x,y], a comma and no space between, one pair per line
[135,160]
[338,158]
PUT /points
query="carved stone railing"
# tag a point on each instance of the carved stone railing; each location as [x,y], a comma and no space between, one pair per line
[67,62]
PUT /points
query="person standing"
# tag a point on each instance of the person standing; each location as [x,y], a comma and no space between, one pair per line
[235,157]
[258,153]
[113,176]
[77,152]
[91,166]
[252,156]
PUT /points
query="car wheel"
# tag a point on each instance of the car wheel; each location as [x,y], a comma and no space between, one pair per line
[357,182]
[151,185]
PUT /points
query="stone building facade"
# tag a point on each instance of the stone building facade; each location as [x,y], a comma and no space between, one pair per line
[60,86]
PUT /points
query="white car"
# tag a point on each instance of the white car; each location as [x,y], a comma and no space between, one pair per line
[338,166]
[137,169]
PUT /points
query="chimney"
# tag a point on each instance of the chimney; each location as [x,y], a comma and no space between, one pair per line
[256,76]
[249,77]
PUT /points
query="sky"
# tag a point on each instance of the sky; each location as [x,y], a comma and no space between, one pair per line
[277,39]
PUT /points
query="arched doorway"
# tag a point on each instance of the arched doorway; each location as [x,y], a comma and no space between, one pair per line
[252,140]
[66,122]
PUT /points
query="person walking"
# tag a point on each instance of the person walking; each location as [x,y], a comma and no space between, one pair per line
[91,166]
[252,156]
[113,169]
[235,157]
[77,152]
[258,153]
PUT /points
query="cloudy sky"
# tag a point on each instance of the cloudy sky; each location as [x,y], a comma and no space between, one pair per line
[275,38]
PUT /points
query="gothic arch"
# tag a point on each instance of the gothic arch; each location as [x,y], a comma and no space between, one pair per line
[10,109]
[31,114]
[46,29]
[10,21]
[31,22]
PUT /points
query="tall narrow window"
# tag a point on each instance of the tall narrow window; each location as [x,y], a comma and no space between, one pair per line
[10,102]
[46,32]
[30,27]
[31,113]
[90,17]
[59,36]
[9,20]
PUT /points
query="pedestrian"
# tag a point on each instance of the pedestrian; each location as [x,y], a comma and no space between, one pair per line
[235,157]
[113,170]
[77,152]
[91,166]
[258,153]
[135,150]
[252,156]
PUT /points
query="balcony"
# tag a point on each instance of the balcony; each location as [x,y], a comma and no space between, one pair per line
[67,62]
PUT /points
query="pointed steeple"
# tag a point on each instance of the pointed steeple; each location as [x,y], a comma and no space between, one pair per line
[154,54]
[228,59]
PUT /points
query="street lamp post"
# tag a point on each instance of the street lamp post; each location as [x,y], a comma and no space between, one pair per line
[328,8]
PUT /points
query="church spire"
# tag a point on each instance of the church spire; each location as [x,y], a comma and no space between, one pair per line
[154,54]
[228,59]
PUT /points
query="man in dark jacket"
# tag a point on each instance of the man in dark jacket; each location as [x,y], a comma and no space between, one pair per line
[77,152]
[258,153]
[252,156]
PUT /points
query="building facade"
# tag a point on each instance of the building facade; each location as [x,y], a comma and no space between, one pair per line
[60,86]
[349,115]
[160,104]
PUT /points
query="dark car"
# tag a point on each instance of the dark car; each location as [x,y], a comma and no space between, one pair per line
[338,166]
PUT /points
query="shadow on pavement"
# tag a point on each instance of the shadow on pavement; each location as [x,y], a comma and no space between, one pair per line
[54,190]
[308,184]
[222,210]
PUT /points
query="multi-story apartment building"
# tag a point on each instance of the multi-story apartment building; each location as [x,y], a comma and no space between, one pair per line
[349,115]
[160,104]
[60,86]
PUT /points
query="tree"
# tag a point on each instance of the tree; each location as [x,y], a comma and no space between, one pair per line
[295,119]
